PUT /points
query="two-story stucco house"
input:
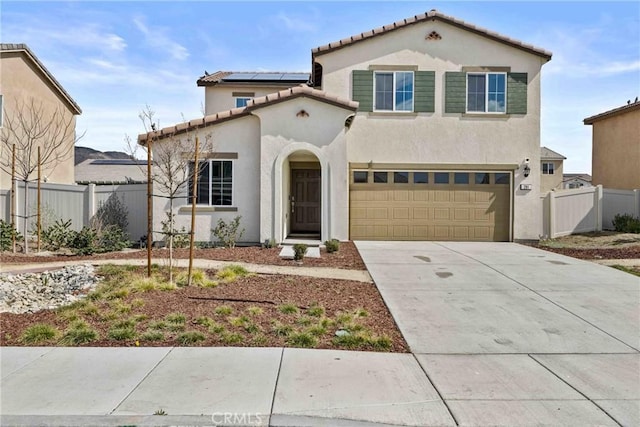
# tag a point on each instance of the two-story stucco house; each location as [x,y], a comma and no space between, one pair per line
[616,147]
[29,90]
[419,130]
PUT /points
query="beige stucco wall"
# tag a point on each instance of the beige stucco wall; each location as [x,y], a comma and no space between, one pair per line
[322,133]
[616,151]
[239,136]
[220,98]
[439,137]
[551,182]
[21,81]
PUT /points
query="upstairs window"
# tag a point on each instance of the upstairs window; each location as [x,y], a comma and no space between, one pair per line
[215,183]
[547,168]
[393,91]
[487,92]
[242,102]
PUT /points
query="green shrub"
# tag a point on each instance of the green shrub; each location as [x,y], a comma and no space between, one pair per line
[231,272]
[111,239]
[121,334]
[281,329]
[255,311]
[299,251]
[216,328]
[223,310]
[190,337]
[332,245]
[7,233]
[302,339]
[79,333]
[626,223]
[84,242]
[315,311]
[57,236]
[231,338]
[181,237]
[152,336]
[112,212]
[228,233]
[205,321]
[39,333]
[288,309]
[177,318]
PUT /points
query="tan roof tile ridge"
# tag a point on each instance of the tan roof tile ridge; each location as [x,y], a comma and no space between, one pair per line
[433,15]
[253,104]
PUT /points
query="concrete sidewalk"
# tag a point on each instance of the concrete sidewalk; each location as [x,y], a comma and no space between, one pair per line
[216,386]
[320,272]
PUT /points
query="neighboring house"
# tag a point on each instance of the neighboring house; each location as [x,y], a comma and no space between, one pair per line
[576,180]
[418,130]
[550,169]
[23,80]
[616,147]
[111,171]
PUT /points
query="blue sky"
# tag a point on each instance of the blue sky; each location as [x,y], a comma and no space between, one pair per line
[115,57]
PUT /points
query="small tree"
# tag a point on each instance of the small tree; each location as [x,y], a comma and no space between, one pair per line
[172,169]
[30,125]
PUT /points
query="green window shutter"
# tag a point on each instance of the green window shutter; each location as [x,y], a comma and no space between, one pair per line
[424,96]
[363,89]
[517,93]
[455,96]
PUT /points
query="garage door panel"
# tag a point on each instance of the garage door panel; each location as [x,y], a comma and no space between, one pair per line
[405,211]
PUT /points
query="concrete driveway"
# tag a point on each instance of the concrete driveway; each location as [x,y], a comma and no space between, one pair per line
[512,335]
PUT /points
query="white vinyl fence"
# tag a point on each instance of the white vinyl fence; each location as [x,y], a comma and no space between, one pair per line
[586,209]
[79,203]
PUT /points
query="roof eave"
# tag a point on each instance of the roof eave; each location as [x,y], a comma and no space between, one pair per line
[22,48]
[433,16]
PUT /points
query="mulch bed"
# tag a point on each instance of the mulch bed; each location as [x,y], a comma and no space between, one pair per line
[346,258]
[268,292]
[631,252]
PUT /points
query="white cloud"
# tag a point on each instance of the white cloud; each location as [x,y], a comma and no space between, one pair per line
[156,37]
[296,23]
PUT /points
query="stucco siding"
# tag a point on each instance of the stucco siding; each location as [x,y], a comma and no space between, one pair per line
[241,136]
[320,132]
[20,82]
[616,151]
[554,181]
[439,137]
[220,98]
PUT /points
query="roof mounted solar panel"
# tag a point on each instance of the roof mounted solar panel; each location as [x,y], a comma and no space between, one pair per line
[240,76]
[295,77]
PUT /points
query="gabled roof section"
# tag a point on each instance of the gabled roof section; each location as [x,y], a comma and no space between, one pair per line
[253,104]
[571,176]
[548,154]
[24,49]
[631,106]
[267,78]
[432,15]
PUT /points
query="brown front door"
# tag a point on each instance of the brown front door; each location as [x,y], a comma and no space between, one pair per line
[305,201]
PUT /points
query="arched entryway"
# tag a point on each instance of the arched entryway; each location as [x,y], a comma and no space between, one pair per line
[301,190]
[304,195]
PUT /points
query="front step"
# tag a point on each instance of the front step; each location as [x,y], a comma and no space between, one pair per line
[287,252]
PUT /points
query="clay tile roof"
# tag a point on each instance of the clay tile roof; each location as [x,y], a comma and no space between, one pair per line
[214,78]
[548,154]
[253,104]
[631,106]
[23,48]
[432,15]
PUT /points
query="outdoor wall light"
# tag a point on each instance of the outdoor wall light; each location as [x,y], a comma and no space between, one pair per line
[527,169]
